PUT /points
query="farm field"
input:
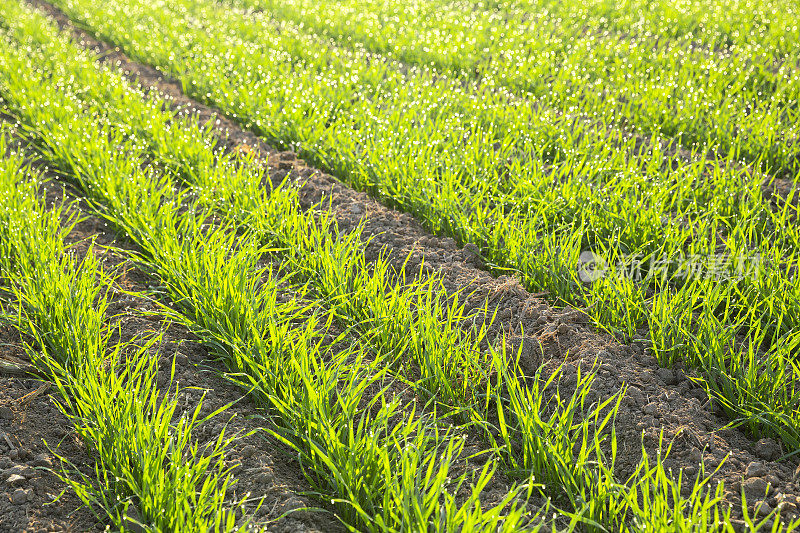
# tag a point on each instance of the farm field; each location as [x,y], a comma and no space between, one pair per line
[399,266]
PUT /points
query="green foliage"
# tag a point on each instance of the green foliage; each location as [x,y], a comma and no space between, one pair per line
[532,183]
[144,452]
[536,132]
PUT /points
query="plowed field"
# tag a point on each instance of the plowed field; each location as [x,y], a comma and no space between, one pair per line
[399,266]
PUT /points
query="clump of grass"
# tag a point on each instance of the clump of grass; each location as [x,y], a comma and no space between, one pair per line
[144,453]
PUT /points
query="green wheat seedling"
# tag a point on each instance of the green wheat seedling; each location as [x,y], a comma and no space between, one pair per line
[581,43]
[144,453]
[657,503]
[560,440]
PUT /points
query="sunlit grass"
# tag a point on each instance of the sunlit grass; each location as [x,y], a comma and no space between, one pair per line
[144,453]
[535,178]
[210,234]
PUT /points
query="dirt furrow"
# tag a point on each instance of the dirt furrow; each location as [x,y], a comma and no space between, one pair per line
[658,399]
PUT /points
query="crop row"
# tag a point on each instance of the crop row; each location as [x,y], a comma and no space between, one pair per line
[741,100]
[720,24]
[208,231]
[533,187]
[143,446]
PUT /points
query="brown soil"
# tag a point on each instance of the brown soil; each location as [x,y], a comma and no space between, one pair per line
[32,432]
[658,399]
